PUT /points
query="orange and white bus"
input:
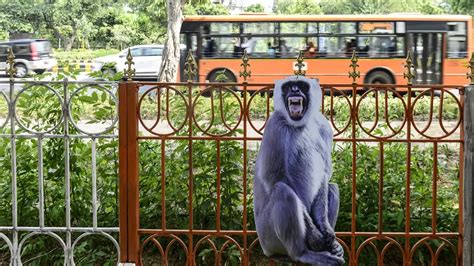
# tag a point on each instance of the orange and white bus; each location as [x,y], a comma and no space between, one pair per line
[439,44]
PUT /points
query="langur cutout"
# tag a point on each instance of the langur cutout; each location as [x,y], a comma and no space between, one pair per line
[295,206]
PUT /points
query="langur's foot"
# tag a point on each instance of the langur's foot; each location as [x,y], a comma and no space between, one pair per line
[337,249]
[320,258]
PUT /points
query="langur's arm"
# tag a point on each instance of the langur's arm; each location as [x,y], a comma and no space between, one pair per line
[270,161]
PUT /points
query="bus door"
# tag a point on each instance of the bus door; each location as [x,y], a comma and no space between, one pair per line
[425,42]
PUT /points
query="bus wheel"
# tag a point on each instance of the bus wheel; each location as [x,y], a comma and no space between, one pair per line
[378,77]
[221,75]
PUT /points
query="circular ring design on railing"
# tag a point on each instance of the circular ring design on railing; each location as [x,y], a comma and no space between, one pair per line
[217,253]
[424,240]
[116,244]
[229,127]
[446,132]
[9,243]
[7,117]
[332,112]
[174,129]
[53,235]
[76,94]
[265,90]
[370,131]
[164,253]
[61,105]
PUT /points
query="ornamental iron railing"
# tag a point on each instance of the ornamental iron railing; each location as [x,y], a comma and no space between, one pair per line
[185,155]
[398,160]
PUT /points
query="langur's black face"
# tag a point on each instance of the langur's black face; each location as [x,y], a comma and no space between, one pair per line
[296,98]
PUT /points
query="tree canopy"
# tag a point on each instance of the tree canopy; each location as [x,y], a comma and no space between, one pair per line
[118,24]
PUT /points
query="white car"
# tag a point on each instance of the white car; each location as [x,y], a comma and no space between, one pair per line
[146,58]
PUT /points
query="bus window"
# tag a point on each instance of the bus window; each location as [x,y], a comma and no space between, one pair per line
[219,47]
[293,27]
[400,27]
[290,46]
[376,27]
[337,27]
[259,28]
[457,41]
[312,27]
[264,48]
[225,28]
[335,46]
[400,51]
[377,46]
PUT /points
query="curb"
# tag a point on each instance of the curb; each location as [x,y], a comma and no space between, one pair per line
[71,65]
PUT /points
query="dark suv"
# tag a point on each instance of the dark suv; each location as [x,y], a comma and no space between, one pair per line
[31,56]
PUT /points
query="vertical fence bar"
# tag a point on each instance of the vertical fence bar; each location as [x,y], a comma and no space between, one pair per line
[380,196]
[163,181]
[409,74]
[352,257]
[245,119]
[94,182]
[468,208]
[16,254]
[218,192]
[40,182]
[132,173]
[190,174]
[123,169]
[67,173]
[434,189]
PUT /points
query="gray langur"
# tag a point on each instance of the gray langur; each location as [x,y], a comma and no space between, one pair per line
[295,206]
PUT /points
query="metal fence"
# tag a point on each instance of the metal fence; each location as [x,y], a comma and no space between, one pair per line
[199,211]
[186,155]
[53,136]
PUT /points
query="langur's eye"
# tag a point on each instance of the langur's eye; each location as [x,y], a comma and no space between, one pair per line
[286,87]
[303,86]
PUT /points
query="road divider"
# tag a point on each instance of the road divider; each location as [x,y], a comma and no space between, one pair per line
[71,65]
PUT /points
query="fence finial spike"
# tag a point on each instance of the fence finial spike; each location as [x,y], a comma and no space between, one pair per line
[245,73]
[11,69]
[409,70]
[470,74]
[190,66]
[354,74]
[129,71]
[300,65]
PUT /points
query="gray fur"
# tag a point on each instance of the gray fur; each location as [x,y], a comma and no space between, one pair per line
[295,206]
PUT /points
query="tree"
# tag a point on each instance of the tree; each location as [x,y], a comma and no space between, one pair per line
[301,7]
[205,9]
[171,51]
[255,8]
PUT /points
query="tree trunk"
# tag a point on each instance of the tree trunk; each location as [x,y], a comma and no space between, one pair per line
[170,63]
[68,42]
